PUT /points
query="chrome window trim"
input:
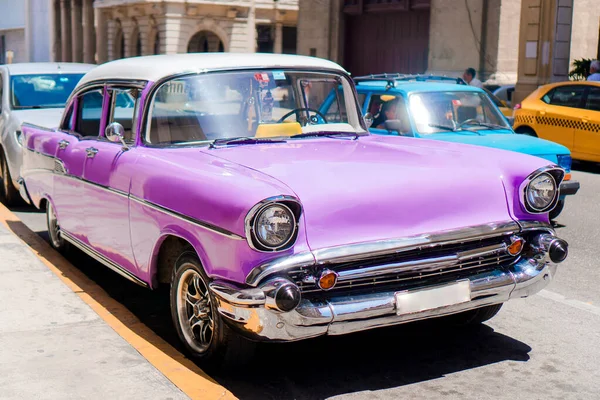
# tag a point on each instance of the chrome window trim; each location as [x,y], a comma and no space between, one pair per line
[551,170]
[102,259]
[249,222]
[365,250]
[149,101]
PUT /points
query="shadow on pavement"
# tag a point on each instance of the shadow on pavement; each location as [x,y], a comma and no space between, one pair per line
[372,360]
[586,166]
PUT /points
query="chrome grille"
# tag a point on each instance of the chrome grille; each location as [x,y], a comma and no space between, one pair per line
[435,261]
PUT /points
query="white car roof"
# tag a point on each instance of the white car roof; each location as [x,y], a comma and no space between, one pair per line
[47,68]
[154,68]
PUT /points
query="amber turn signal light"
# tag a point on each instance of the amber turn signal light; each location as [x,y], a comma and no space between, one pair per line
[327,280]
[567,177]
[516,245]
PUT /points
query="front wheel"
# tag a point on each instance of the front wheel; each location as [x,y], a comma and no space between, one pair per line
[477,316]
[10,195]
[198,323]
[557,210]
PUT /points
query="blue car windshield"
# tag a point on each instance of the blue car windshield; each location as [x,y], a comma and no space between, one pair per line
[443,112]
[42,91]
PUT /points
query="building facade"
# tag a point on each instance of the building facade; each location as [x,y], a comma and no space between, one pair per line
[430,36]
[104,30]
[24,31]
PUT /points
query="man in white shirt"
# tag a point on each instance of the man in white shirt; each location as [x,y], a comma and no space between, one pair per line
[469,77]
[594,71]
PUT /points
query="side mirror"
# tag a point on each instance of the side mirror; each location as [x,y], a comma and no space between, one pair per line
[115,133]
[368,118]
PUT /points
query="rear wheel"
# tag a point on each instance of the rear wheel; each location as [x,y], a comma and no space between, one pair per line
[557,210]
[525,130]
[54,235]
[10,195]
[197,320]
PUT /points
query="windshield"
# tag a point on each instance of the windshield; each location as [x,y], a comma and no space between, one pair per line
[42,91]
[435,112]
[252,104]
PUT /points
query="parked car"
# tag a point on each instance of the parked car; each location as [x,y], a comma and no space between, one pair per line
[35,93]
[567,113]
[504,93]
[274,221]
[502,105]
[433,109]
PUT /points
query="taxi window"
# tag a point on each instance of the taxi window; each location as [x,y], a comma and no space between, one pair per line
[565,96]
[593,99]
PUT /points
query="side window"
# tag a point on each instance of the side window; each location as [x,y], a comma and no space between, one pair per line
[89,114]
[567,96]
[67,121]
[124,109]
[386,107]
[593,99]
[361,99]
[1,91]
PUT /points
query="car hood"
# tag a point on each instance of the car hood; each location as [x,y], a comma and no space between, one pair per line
[506,140]
[46,117]
[377,188]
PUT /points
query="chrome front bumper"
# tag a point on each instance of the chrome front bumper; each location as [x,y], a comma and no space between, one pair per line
[247,312]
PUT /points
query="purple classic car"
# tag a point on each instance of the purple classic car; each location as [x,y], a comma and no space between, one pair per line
[275,218]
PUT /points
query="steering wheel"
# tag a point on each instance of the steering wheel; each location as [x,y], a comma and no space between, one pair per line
[297,112]
[469,121]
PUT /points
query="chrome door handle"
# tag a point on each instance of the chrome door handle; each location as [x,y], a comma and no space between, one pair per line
[91,152]
[63,144]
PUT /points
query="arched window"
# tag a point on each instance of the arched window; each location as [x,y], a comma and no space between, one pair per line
[205,41]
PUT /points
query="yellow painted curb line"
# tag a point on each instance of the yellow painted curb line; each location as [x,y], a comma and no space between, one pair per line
[184,374]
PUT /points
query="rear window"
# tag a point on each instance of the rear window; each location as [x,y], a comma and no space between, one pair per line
[42,91]
[565,96]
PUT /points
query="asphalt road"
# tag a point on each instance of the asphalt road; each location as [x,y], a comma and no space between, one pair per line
[543,347]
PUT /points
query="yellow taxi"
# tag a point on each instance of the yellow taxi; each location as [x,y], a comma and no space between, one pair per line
[567,113]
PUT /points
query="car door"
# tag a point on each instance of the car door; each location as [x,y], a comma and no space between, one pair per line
[81,127]
[558,119]
[107,175]
[587,134]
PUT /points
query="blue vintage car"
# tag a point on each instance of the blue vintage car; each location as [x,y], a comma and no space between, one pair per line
[441,108]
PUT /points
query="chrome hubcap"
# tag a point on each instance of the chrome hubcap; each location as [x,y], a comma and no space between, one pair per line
[53,228]
[194,310]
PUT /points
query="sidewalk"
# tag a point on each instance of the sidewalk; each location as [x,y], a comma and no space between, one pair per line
[54,346]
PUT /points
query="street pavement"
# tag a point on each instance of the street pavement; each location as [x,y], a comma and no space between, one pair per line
[54,346]
[543,347]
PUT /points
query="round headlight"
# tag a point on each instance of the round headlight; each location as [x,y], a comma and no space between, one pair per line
[274,226]
[541,192]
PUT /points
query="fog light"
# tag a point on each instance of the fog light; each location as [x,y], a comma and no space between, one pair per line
[281,295]
[558,250]
[327,280]
[515,246]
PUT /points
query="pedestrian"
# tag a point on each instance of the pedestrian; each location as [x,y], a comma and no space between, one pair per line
[594,71]
[469,77]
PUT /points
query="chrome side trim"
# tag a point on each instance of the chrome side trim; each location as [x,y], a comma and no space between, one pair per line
[185,218]
[102,259]
[360,251]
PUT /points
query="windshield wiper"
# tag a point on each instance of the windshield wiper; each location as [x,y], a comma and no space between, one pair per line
[459,129]
[241,140]
[490,125]
[354,135]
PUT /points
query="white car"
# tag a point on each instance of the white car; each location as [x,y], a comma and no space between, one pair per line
[35,93]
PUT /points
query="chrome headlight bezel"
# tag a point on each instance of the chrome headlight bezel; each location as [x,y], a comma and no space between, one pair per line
[556,174]
[288,203]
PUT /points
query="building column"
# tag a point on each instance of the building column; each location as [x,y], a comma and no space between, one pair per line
[65,35]
[251,26]
[89,40]
[544,44]
[76,31]
[278,45]
[55,49]
[128,28]
[101,36]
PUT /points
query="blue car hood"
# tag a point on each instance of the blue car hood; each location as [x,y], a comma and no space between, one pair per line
[506,140]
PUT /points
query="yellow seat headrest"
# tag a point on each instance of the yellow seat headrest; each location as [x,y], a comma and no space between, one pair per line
[283,129]
[386,97]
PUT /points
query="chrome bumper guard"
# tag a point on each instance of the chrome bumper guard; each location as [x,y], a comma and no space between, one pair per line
[250,313]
